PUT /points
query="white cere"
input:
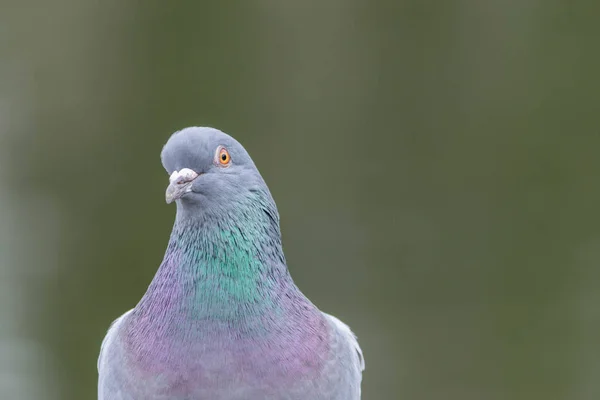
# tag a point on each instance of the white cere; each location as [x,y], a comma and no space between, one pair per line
[182,176]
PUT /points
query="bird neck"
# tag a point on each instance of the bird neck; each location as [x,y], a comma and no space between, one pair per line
[223,288]
[225,266]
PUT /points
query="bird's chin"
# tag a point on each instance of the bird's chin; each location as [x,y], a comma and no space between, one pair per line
[191,200]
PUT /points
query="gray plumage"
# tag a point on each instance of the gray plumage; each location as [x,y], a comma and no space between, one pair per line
[222,318]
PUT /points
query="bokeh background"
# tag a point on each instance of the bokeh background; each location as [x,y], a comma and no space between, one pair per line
[435,165]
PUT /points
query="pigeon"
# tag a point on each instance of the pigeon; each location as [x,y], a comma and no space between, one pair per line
[222,318]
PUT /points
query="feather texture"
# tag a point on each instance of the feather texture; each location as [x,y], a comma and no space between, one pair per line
[222,318]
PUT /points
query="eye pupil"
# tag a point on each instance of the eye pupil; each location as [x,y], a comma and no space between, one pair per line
[224,157]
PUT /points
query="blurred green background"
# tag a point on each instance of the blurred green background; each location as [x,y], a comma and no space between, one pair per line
[435,165]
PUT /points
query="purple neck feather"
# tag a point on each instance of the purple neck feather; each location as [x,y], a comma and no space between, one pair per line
[223,290]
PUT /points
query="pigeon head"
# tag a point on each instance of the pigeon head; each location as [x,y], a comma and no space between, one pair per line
[208,170]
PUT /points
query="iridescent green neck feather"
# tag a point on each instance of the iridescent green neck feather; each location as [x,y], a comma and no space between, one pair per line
[224,264]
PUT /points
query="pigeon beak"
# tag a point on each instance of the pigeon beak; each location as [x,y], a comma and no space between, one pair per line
[180,183]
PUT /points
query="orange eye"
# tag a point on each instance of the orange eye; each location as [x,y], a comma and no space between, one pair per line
[223,156]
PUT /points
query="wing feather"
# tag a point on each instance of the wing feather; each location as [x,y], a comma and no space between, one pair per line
[108,339]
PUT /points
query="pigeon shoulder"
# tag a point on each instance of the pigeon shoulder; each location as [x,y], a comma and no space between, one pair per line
[110,338]
[349,338]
